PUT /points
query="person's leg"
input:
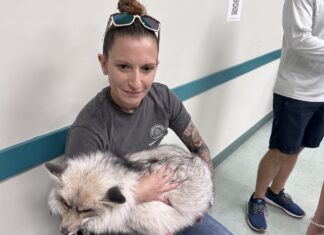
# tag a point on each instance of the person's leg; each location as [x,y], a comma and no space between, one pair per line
[318,217]
[206,226]
[277,196]
[274,165]
[312,136]
[289,122]
[269,168]
[285,144]
[286,168]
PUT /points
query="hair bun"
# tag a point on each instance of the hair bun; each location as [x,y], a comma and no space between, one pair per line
[132,7]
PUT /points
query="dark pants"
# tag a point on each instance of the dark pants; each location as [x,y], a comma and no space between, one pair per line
[206,226]
[296,124]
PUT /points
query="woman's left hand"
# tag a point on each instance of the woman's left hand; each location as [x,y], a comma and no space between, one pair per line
[151,186]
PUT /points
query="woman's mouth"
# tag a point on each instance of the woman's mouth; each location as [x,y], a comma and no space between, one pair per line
[133,93]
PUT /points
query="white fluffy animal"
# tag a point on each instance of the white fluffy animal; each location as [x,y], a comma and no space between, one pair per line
[95,193]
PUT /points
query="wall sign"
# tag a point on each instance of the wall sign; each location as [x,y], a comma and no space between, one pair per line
[234,10]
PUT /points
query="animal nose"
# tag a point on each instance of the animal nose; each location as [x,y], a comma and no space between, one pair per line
[64,231]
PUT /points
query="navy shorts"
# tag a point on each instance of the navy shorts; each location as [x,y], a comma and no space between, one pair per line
[296,124]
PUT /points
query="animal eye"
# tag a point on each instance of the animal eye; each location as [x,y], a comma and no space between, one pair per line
[65,204]
[84,210]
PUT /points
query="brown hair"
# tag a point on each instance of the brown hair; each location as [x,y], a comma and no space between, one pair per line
[136,29]
[132,7]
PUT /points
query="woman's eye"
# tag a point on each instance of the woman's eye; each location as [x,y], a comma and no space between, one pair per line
[123,66]
[148,68]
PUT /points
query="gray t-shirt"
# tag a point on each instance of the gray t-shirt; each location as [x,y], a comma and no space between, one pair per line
[103,126]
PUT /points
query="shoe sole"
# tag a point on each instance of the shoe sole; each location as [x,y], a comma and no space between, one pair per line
[250,225]
[269,201]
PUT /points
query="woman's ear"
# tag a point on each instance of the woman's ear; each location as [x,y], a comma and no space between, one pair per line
[103,63]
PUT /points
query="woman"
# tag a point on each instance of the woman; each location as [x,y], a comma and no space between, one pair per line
[133,113]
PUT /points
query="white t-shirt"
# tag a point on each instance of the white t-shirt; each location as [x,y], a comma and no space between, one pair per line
[301,70]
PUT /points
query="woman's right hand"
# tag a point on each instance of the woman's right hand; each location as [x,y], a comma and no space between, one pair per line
[151,186]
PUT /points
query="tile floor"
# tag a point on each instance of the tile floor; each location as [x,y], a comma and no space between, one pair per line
[234,181]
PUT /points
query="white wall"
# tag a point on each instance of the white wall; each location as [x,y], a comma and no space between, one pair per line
[48,53]
[23,205]
[49,70]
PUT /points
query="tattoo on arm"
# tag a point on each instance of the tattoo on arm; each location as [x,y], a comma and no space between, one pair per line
[192,139]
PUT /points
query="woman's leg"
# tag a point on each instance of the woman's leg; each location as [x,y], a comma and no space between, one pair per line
[206,226]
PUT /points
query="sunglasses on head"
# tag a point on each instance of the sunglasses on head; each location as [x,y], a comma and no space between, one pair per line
[125,19]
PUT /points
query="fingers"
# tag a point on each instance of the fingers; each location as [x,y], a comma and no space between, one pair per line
[169,187]
[165,173]
[168,176]
[153,185]
[163,199]
[167,181]
[147,173]
[162,171]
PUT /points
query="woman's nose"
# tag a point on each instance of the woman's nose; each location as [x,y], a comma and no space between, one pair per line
[135,80]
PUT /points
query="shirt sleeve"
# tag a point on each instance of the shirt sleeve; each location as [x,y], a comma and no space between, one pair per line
[179,118]
[298,29]
[82,140]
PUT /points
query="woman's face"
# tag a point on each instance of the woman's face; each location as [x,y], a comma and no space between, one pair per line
[131,68]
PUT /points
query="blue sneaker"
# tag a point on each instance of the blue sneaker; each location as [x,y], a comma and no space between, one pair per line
[284,202]
[256,214]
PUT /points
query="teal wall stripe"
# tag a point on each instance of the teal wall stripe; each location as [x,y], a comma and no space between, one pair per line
[33,152]
[196,87]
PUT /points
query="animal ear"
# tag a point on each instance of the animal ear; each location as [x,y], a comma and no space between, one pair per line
[115,195]
[54,169]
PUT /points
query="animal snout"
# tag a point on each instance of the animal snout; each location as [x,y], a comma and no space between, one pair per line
[66,231]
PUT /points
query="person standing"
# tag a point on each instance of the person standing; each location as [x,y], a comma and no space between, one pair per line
[298,108]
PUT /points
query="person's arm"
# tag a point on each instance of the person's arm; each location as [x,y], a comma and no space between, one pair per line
[298,16]
[192,139]
[180,122]
[152,186]
[317,222]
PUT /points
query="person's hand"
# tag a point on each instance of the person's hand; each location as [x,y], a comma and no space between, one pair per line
[151,186]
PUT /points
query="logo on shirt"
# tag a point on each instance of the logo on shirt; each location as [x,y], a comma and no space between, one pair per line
[157,131]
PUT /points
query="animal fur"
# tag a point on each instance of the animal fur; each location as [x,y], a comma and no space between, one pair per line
[95,192]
